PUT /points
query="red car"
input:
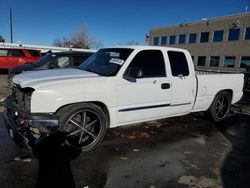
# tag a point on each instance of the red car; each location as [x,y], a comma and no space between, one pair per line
[11,57]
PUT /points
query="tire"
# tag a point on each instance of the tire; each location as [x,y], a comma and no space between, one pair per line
[84,125]
[220,107]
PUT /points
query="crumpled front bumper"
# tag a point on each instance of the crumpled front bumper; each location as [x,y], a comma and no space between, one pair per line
[27,129]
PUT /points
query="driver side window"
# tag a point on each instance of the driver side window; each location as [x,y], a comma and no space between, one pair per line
[59,62]
[151,62]
[63,62]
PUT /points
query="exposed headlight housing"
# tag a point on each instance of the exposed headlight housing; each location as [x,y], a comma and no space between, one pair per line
[27,93]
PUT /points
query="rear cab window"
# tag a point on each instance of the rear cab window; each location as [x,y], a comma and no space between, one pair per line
[78,59]
[178,63]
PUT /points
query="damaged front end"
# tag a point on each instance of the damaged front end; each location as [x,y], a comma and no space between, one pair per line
[27,129]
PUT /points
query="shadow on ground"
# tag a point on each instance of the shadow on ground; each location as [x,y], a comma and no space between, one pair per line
[54,162]
[236,168]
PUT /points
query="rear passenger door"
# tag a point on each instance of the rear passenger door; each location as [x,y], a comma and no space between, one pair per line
[4,63]
[16,57]
[183,83]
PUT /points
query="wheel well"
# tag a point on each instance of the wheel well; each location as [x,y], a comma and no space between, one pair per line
[100,104]
[229,91]
[105,110]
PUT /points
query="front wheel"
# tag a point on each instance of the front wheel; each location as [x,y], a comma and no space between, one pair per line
[84,125]
[220,106]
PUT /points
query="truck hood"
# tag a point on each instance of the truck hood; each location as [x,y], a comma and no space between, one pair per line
[46,77]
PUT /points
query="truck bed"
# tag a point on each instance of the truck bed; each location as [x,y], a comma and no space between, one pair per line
[210,83]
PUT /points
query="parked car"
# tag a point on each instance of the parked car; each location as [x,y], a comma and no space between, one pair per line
[53,61]
[11,57]
[114,87]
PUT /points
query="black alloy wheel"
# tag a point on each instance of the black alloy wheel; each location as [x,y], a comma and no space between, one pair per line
[220,107]
[84,125]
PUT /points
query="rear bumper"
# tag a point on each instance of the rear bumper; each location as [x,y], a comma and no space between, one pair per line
[28,130]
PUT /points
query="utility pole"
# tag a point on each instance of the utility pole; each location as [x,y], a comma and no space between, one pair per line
[11,32]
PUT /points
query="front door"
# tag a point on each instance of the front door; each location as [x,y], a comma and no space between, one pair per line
[147,97]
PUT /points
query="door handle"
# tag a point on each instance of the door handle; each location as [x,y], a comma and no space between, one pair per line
[165,86]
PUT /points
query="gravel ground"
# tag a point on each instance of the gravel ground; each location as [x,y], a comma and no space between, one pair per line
[4,87]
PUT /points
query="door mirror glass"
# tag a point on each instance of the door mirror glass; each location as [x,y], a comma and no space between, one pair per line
[134,72]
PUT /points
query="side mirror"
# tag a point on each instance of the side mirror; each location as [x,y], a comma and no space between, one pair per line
[133,73]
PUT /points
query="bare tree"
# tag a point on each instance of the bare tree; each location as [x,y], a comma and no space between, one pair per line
[64,42]
[80,38]
[2,39]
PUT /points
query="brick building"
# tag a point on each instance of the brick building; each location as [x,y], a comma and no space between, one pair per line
[215,44]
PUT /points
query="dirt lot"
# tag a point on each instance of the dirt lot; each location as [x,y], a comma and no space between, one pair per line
[3,87]
[188,151]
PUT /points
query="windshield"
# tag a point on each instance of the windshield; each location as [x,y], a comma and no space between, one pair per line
[106,62]
[41,61]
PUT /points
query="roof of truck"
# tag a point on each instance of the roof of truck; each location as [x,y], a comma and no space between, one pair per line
[141,47]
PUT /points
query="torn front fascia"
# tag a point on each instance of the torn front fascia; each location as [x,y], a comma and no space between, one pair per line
[25,128]
[18,104]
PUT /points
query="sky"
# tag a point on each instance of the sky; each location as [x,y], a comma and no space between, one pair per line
[112,22]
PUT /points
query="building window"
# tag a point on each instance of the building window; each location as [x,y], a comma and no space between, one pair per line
[233,34]
[204,37]
[201,60]
[156,41]
[192,38]
[172,39]
[163,40]
[182,39]
[214,61]
[245,62]
[229,61]
[218,36]
[247,33]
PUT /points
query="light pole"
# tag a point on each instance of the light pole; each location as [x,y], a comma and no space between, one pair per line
[11,32]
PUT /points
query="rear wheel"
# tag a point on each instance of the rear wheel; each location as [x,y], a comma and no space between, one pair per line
[220,107]
[84,125]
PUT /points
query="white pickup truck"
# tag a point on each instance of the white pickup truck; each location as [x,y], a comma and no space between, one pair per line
[115,86]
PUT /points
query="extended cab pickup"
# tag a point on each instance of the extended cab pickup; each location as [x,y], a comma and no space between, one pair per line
[115,86]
